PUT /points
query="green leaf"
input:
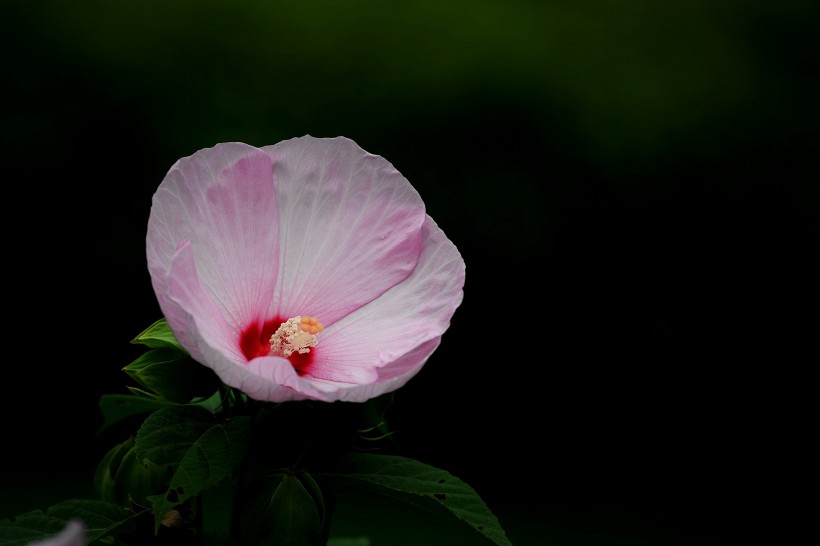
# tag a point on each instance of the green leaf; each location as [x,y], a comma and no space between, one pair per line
[173,375]
[123,480]
[422,485]
[168,433]
[118,407]
[107,470]
[282,510]
[142,393]
[201,450]
[216,509]
[213,403]
[296,519]
[158,335]
[373,427]
[101,519]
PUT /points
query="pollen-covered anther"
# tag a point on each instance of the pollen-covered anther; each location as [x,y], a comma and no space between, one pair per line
[295,335]
[311,325]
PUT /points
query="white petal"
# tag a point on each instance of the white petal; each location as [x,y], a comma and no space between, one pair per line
[411,314]
[349,227]
[222,200]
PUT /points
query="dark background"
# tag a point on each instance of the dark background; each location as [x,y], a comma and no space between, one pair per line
[633,186]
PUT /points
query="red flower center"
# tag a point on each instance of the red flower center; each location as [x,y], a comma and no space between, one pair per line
[255,342]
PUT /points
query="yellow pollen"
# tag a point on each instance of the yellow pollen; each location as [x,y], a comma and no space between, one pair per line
[311,325]
[297,334]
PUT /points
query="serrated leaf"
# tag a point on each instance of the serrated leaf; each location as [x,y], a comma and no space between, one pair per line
[168,433]
[118,407]
[158,335]
[420,484]
[201,450]
[101,519]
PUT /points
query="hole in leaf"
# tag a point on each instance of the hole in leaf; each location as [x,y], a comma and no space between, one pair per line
[180,490]
[442,480]
[172,496]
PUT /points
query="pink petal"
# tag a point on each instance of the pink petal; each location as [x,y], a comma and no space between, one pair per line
[194,316]
[73,534]
[349,227]
[210,340]
[391,377]
[388,340]
[222,201]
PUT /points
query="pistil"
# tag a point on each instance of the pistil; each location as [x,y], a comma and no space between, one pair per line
[295,335]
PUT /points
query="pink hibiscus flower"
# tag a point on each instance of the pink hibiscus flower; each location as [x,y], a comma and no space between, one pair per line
[304,270]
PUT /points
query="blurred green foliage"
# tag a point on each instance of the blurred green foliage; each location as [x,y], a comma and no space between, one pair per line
[628,81]
[524,92]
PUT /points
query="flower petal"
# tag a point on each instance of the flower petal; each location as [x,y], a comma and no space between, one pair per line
[380,342]
[221,199]
[193,315]
[210,340]
[73,534]
[349,227]
[391,377]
